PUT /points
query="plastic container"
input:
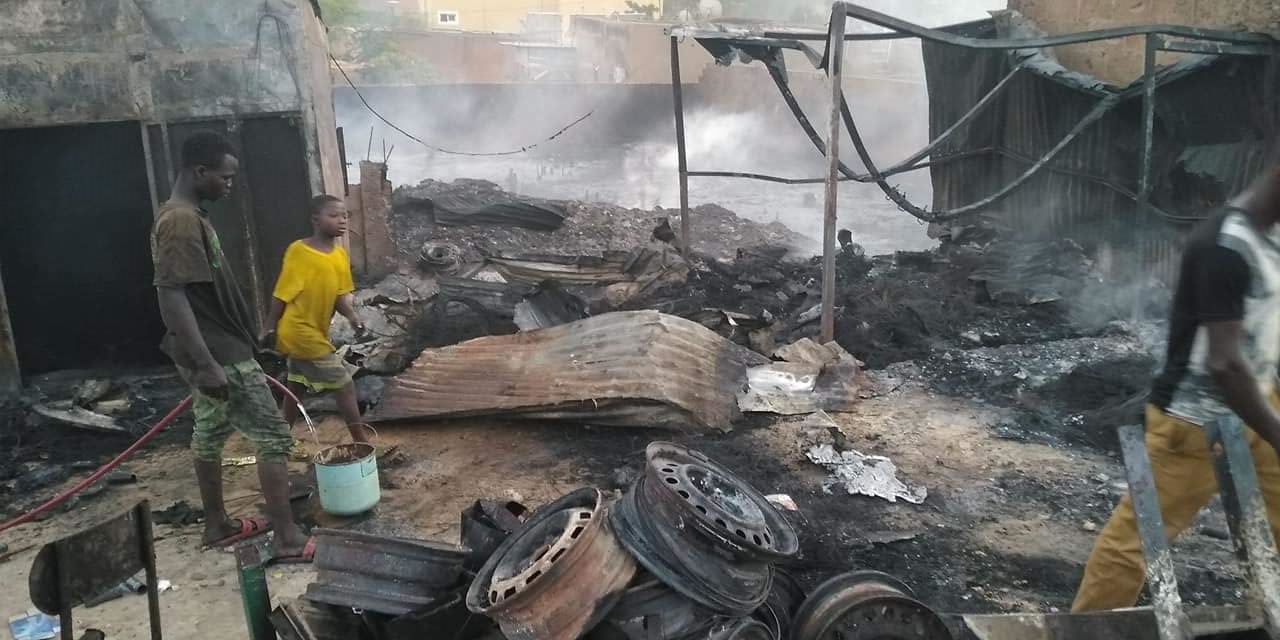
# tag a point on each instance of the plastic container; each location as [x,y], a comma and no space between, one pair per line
[347,477]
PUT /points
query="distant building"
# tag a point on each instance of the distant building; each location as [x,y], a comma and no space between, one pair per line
[500,16]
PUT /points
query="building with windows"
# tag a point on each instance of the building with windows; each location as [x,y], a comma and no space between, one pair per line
[500,16]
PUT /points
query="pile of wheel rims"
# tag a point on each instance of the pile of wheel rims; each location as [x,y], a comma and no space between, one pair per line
[687,553]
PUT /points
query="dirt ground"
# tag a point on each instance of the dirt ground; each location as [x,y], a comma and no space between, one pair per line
[1006,526]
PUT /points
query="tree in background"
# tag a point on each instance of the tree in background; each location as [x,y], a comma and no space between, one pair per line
[384,62]
[672,8]
[341,13]
[650,10]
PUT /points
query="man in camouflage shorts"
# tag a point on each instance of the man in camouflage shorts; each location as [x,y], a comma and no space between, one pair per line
[211,340]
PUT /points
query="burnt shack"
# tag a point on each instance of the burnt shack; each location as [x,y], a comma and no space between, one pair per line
[96,99]
[1121,144]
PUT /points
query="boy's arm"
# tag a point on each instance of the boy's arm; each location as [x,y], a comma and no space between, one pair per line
[267,339]
[175,310]
[347,308]
[180,260]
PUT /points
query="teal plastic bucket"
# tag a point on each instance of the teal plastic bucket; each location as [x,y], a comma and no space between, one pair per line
[347,477]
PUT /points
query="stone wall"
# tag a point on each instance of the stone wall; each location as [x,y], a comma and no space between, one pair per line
[1120,61]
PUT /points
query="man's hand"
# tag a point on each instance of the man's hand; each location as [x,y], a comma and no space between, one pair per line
[361,331]
[211,380]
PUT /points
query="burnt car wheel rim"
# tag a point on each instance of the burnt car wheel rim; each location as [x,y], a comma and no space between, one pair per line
[703,531]
[558,575]
[866,605]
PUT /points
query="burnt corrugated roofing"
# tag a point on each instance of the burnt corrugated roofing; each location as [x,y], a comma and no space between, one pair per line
[638,368]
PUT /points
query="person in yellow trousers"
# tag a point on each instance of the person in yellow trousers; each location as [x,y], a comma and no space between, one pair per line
[1223,352]
[314,281]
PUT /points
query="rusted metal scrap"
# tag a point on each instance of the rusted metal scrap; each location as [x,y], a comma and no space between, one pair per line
[636,368]
[703,531]
[485,525]
[387,575]
[558,576]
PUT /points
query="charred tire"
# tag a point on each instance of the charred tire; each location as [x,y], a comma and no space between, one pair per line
[742,629]
[779,609]
[651,609]
[866,605]
[557,576]
[703,531]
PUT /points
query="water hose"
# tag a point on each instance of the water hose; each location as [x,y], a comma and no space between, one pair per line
[133,448]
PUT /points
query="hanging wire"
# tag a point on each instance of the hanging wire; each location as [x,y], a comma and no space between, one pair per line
[420,141]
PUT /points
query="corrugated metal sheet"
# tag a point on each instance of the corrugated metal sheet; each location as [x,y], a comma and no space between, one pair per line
[1084,194]
[640,369]
[1230,164]
[574,270]
[642,264]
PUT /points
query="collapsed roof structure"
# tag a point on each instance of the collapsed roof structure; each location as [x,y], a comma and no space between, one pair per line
[1021,140]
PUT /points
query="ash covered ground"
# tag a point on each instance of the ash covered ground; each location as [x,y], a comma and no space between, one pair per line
[998,391]
[1024,339]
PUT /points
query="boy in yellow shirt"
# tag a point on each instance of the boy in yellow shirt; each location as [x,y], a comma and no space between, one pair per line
[314,281]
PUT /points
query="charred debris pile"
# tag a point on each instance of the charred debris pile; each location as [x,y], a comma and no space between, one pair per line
[688,551]
[983,315]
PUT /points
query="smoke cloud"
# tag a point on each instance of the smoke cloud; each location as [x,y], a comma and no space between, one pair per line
[735,121]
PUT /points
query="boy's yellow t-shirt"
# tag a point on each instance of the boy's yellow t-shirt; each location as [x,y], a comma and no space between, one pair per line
[309,285]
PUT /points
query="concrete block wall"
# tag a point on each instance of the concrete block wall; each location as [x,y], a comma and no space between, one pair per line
[373,252]
[1120,61]
[85,61]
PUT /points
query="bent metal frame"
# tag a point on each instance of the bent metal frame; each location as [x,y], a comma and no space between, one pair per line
[767,46]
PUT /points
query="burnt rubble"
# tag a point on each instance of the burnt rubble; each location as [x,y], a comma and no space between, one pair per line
[689,552]
[589,228]
[984,315]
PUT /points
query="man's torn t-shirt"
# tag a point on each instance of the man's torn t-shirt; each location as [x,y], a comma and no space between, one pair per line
[1230,272]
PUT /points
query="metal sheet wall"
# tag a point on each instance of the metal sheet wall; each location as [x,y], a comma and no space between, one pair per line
[1036,111]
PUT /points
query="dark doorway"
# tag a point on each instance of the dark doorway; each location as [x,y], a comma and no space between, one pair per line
[277,177]
[75,250]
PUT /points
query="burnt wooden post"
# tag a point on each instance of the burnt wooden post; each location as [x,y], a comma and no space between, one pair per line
[1247,517]
[147,549]
[677,95]
[1162,584]
[10,373]
[835,59]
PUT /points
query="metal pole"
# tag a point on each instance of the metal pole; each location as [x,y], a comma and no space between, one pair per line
[253,592]
[835,59]
[677,94]
[1171,622]
[1247,517]
[1144,181]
